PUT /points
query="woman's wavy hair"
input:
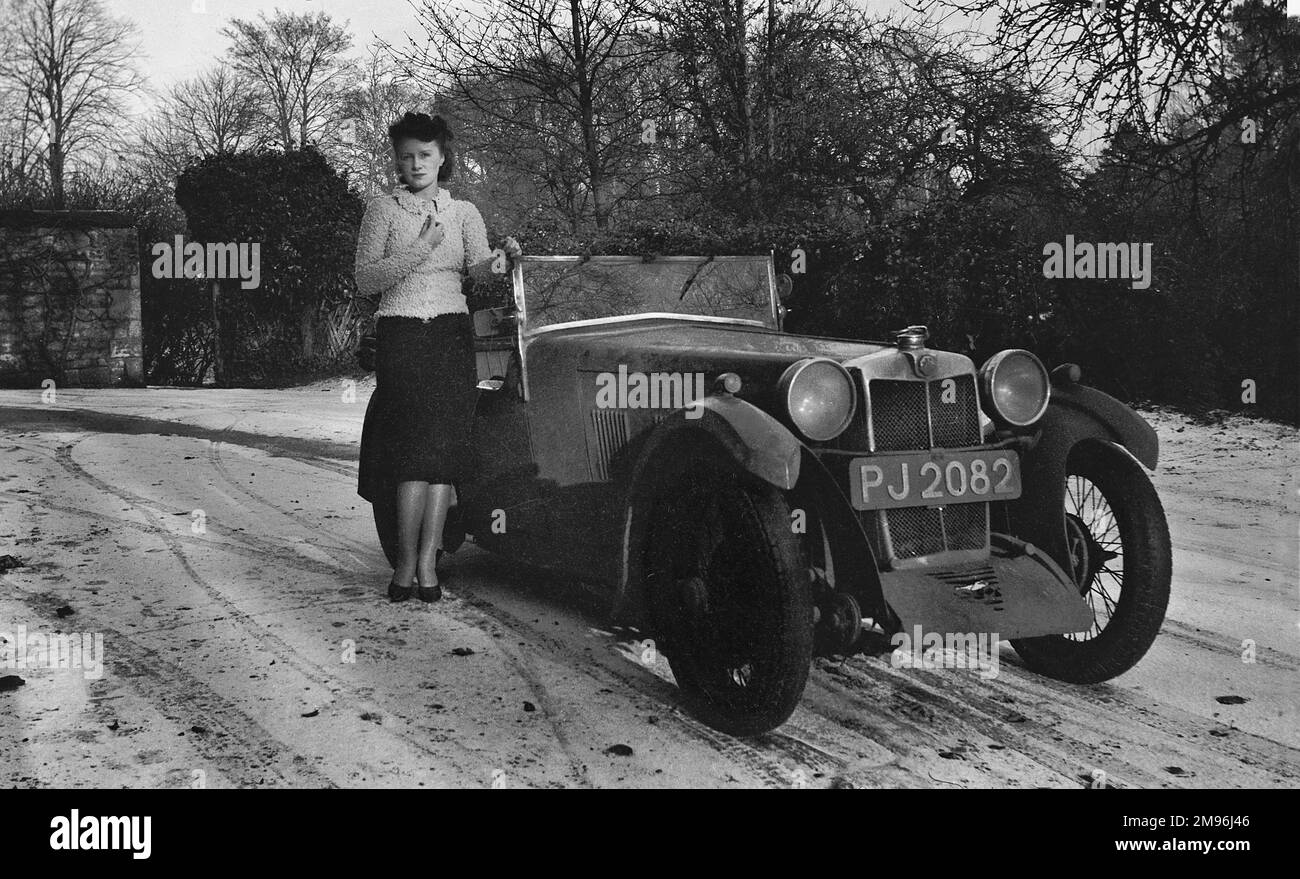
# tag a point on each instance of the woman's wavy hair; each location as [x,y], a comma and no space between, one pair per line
[422,126]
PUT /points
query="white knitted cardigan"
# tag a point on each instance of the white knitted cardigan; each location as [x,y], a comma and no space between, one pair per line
[410,279]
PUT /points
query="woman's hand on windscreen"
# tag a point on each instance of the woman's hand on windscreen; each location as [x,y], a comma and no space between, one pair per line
[512,249]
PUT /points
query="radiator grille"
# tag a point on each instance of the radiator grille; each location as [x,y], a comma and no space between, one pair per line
[898,415]
[954,412]
[966,526]
[918,415]
[902,422]
[915,531]
[918,531]
[606,435]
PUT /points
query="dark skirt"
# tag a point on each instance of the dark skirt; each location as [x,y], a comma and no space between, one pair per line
[417,426]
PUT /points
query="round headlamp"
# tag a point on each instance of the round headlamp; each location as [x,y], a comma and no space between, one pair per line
[1015,387]
[819,396]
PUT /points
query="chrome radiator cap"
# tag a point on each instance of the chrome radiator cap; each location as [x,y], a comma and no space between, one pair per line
[911,338]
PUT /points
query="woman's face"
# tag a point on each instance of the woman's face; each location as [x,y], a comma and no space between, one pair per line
[418,162]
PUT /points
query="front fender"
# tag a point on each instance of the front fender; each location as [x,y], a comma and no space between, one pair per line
[1110,419]
[756,441]
[1077,414]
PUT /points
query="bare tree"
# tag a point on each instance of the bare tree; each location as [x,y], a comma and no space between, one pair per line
[68,64]
[161,149]
[861,103]
[217,111]
[1156,69]
[297,62]
[561,84]
[23,174]
[382,94]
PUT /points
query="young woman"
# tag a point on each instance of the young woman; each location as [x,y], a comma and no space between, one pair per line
[412,249]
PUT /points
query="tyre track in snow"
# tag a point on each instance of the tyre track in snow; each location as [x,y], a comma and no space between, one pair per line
[777,756]
[263,550]
[764,760]
[232,743]
[1059,735]
[1108,714]
[1202,639]
[609,668]
[950,721]
[258,632]
[520,664]
[221,469]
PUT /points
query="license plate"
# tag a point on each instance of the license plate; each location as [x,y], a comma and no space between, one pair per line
[925,479]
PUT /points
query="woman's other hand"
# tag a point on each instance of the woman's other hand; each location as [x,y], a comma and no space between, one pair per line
[512,250]
[431,234]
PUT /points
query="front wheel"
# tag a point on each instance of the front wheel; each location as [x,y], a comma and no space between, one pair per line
[731,597]
[1120,559]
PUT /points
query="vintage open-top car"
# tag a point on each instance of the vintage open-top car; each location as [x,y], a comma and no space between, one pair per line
[749,498]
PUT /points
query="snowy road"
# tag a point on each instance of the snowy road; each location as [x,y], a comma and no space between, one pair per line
[214,539]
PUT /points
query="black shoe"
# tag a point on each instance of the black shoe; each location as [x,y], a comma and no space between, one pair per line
[432,593]
[399,593]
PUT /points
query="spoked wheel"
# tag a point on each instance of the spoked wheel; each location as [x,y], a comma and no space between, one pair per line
[731,598]
[1120,559]
[1096,553]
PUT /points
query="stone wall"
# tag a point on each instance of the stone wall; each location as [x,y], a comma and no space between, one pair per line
[69,299]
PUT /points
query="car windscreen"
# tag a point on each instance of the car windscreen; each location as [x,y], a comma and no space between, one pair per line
[563,289]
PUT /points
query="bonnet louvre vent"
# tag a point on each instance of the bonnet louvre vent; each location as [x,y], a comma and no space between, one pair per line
[606,436]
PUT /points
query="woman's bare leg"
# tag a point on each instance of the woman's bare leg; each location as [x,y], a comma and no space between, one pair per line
[411,497]
[438,500]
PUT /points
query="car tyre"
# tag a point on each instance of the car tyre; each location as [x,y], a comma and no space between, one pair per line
[1121,561]
[730,596]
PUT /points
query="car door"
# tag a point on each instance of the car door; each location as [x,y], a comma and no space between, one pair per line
[505,505]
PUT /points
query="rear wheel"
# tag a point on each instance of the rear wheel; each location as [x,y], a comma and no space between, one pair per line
[731,597]
[1120,559]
